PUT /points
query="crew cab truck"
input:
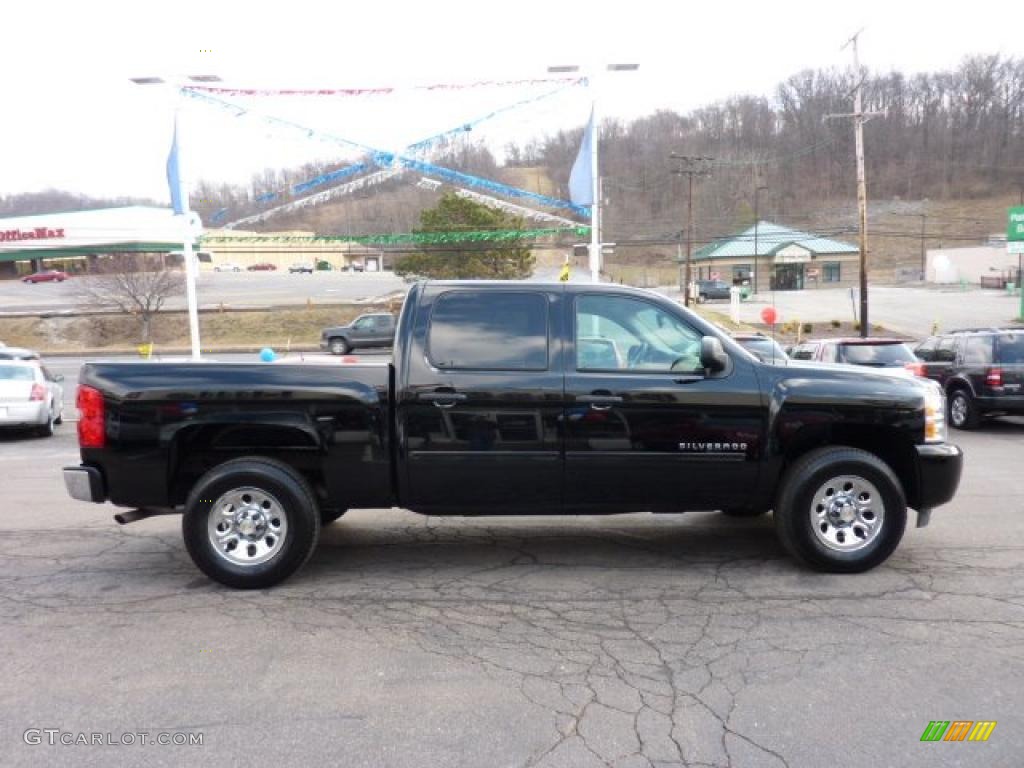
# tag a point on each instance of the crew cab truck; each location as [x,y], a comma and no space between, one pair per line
[515,398]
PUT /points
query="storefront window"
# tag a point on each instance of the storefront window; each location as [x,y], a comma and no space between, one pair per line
[831,270]
[741,274]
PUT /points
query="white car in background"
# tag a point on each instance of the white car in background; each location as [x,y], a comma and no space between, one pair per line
[30,396]
[227,267]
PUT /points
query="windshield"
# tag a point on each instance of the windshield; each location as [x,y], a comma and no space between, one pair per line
[876,354]
[1011,348]
[16,373]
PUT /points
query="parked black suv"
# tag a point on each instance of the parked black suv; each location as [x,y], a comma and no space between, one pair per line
[981,370]
[712,289]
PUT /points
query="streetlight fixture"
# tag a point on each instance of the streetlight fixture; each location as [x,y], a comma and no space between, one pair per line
[190,266]
[595,179]
[757,221]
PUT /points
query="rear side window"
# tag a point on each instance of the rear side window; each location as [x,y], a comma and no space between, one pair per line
[1011,348]
[926,350]
[978,350]
[876,354]
[489,330]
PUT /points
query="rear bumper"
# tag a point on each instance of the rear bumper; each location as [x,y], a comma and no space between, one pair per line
[85,484]
[939,467]
[34,413]
[1005,403]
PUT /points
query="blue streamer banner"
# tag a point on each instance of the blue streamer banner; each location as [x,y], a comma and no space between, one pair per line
[389,159]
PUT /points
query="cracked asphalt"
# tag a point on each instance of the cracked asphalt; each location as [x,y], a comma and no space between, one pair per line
[630,641]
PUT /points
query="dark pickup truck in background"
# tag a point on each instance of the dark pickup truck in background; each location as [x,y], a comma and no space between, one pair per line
[373,330]
[516,398]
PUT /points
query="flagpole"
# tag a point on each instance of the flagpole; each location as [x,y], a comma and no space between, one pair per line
[595,181]
[190,264]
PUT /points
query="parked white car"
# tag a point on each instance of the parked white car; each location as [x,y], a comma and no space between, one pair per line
[30,396]
[227,267]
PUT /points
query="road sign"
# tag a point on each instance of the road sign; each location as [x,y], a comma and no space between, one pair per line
[715,275]
[1015,224]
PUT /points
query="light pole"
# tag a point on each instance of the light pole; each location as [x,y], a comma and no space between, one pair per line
[595,178]
[757,221]
[191,268]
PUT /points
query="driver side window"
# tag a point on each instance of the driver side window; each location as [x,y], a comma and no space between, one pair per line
[618,333]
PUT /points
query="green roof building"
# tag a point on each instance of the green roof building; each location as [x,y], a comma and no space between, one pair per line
[785,259]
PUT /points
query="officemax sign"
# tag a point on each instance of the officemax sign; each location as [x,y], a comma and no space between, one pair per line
[39,233]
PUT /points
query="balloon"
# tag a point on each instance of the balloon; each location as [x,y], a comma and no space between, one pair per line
[267,355]
[769,315]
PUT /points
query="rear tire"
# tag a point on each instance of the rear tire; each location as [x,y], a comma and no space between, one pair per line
[47,429]
[266,508]
[963,412]
[840,510]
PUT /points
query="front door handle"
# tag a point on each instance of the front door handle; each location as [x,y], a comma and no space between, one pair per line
[441,399]
[599,402]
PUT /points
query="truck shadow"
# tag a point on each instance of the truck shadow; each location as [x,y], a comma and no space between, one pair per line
[430,548]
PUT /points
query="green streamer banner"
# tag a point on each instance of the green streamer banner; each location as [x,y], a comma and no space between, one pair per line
[407,238]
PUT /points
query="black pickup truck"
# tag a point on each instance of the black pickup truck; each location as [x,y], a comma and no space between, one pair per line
[515,398]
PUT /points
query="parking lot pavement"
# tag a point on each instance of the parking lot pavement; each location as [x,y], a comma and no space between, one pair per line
[908,310]
[625,641]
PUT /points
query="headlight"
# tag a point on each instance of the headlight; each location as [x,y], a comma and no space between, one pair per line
[934,414]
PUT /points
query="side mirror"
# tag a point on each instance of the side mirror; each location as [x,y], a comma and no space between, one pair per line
[712,355]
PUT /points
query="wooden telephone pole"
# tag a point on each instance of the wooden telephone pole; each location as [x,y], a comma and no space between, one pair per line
[859,118]
[690,166]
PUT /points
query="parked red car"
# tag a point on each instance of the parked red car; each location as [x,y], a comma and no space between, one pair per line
[46,276]
[262,267]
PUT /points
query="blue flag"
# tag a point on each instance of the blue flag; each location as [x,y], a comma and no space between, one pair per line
[581,181]
[179,199]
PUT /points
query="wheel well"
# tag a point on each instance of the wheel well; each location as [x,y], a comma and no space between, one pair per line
[887,443]
[196,450]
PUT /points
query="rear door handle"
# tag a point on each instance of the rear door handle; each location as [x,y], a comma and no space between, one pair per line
[599,402]
[441,399]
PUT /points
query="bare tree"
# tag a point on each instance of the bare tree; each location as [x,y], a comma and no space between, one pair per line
[132,284]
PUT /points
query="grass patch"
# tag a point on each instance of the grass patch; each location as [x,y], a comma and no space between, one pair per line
[249,329]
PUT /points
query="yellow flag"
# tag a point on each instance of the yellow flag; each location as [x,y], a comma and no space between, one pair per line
[564,276]
[146,350]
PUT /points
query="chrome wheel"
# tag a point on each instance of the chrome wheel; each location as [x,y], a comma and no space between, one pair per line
[958,410]
[847,513]
[247,526]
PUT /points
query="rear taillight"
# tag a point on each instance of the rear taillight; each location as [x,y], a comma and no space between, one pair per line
[915,368]
[994,377]
[92,432]
[38,393]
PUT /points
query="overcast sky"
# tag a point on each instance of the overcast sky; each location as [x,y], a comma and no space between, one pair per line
[72,120]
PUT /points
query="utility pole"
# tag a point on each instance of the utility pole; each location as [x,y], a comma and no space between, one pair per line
[859,118]
[757,221]
[690,166]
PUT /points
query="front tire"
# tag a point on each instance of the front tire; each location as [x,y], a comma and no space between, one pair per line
[963,412]
[840,510]
[339,347]
[251,523]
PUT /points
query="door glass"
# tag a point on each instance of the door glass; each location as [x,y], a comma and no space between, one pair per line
[945,353]
[489,330]
[616,333]
[978,350]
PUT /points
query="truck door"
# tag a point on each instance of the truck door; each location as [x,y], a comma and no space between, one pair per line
[645,428]
[478,416]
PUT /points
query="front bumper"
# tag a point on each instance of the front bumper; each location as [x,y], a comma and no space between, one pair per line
[324,344]
[85,484]
[939,467]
